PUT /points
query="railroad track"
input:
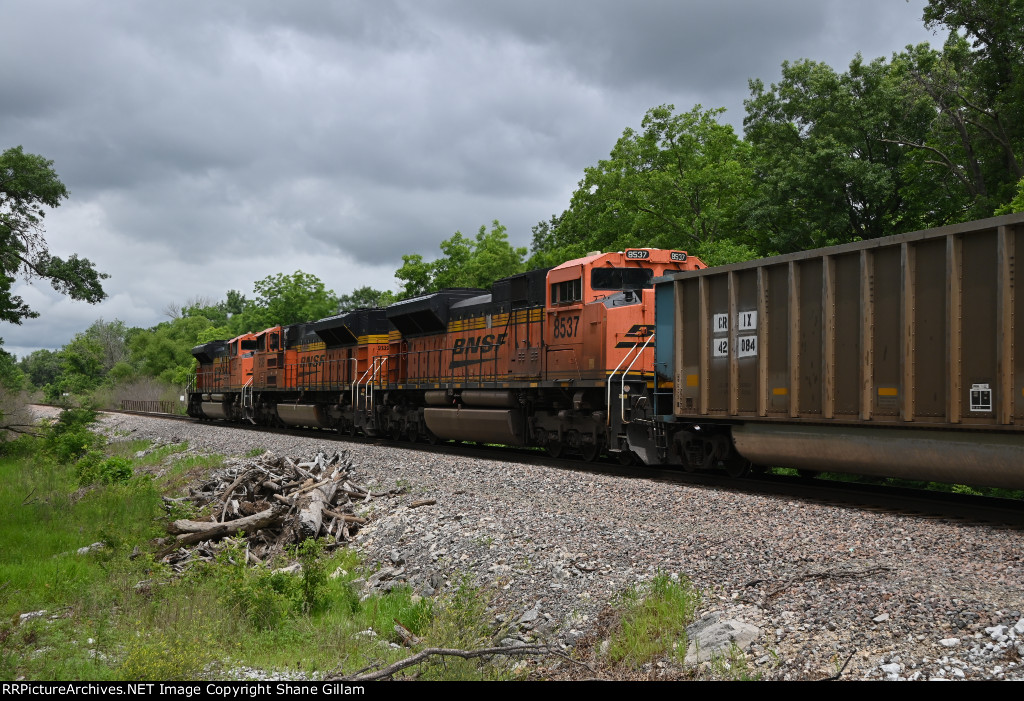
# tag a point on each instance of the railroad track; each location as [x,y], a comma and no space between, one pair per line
[902,500]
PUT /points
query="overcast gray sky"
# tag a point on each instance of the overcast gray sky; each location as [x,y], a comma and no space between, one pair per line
[208,144]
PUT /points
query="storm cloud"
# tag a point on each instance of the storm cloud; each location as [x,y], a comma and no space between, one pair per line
[208,145]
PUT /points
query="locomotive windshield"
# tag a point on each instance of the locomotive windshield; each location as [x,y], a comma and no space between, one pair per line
[621,279]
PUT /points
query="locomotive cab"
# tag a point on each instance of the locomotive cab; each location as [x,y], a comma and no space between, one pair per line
[224,372]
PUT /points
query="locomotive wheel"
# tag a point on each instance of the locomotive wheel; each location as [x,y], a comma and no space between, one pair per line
[591,451]
[627,458]
[431,438]
[555,448]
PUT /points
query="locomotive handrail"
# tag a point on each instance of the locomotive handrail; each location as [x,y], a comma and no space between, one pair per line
[378,363]
[247,406]
[611,379]
[622,384]
[355,369]
[355,385]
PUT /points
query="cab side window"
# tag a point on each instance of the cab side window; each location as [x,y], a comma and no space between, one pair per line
[567,292]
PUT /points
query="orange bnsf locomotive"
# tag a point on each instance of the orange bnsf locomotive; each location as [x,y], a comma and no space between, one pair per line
[559,358]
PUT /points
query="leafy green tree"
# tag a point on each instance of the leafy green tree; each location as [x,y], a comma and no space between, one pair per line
[111,338]
[234,303]
[1016,204]
[545,249]
[365,298]
[975,138]
[41,367]
[465,262]
[85,362]
[218,313]
[28,184]
[12,379]
[416,276]
[217,333]
[724,252]
[452,268]
[995,29]
[14,417]
[679,182]
[81,368]
[165,351]
[288,299]
[491,258]
[828,167]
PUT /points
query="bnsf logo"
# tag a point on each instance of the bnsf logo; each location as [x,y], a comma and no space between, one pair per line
[478,344]
[312,359]
[638,255]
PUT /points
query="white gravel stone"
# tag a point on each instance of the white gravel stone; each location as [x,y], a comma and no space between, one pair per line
[810,576]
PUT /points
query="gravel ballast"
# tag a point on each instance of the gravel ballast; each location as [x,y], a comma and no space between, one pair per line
[907,597]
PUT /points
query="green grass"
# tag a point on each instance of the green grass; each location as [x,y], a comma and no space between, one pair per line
[653,622]
[112,616]
[44,520]
[162,453]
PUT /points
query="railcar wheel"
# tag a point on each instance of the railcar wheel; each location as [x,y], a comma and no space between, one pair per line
[736,467]
[591,451]
[555,448]
[627,458]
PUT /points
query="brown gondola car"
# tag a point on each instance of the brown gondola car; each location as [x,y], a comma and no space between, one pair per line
[896,357]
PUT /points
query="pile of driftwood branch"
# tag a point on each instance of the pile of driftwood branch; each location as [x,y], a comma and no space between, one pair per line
[275,501]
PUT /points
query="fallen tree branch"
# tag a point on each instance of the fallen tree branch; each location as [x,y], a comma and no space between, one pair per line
[443,652]
[347,518]
[216,531]
[226,497]
[239,524]
[824,574]
[311,516]
[835,677]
